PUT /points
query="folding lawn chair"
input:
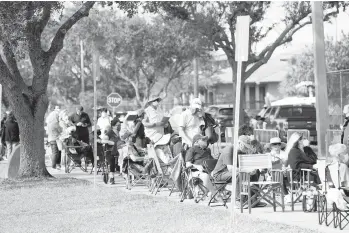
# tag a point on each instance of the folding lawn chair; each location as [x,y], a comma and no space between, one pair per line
[298,187]
[193,187]
[333,197]
[70,155]
[163,169]
[135,172]
[219,186]
[325,210]
[263,190]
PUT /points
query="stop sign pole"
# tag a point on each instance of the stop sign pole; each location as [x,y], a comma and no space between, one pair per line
[241,54]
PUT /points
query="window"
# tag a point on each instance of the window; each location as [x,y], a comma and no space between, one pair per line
[226,111]
[267,113]
[285,112]
[297,111]
[303,111]
[272,112]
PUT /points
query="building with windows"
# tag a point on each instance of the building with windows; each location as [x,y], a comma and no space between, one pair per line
[263,82]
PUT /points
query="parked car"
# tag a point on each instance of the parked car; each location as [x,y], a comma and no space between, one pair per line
[224,115]
[293,113]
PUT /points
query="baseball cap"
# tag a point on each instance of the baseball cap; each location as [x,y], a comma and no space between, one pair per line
[197,137]
[275,140]
[196,103]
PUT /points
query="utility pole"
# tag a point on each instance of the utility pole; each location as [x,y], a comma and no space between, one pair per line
[322,119]
[82,66]
[196,78]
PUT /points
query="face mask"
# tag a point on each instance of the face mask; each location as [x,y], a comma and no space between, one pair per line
[199,113]
[251,137]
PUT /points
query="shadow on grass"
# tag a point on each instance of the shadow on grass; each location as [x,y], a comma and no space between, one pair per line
[7,184]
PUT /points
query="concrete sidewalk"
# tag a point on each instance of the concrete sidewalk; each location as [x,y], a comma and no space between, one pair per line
[296,218]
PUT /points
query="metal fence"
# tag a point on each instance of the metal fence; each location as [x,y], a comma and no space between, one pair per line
[304,132]
[264,135]
[229,135]
[333,137]
[338,96]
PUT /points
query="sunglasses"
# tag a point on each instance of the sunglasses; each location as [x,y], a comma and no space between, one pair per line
[276,144]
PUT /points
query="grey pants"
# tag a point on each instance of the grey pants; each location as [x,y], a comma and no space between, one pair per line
[56,154]
[9,148]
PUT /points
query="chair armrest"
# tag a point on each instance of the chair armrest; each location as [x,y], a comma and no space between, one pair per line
[306,170]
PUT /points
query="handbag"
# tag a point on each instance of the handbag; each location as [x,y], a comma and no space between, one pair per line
[209,130]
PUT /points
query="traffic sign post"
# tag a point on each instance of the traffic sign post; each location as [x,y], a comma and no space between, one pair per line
[241,54]
[114,100]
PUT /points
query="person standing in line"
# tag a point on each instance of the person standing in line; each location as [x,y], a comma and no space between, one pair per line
[82,122]
[2,134]
[104,120]
[54,130]
[11,134]
[153,126]
[138,133]
[190,123]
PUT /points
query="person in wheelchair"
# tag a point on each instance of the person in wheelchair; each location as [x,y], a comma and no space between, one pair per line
[69,137]
[195,157]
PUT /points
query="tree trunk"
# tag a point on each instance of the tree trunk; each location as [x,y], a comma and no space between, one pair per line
[32,133]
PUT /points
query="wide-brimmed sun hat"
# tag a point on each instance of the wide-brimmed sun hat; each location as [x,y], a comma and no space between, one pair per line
[198,137]
[275,140]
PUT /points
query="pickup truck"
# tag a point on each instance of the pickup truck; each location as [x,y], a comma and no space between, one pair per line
[308,123]
[293,113]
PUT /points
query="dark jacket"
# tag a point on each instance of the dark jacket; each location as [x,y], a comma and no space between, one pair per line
[2,131]
[11,131]
[82,132]
[297,159]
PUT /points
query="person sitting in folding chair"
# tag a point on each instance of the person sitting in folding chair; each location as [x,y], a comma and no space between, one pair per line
[195,157]
[297,159]
[340,161]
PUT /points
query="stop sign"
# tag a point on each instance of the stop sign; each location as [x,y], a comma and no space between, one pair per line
[114,100]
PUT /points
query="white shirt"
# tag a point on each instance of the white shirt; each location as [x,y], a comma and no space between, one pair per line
[191,125]
[103,122]
[153,116]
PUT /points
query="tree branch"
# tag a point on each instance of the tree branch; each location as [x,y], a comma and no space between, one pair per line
[46,14]
[57,42]
[11,60]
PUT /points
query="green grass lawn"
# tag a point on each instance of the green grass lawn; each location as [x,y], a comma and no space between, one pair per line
[70,205]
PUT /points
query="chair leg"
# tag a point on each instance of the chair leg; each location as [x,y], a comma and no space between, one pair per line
[184,191]
[172,188]
[282,199]
[159,185]
[249,200]
[292,201]
[274,203]
[241,203]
